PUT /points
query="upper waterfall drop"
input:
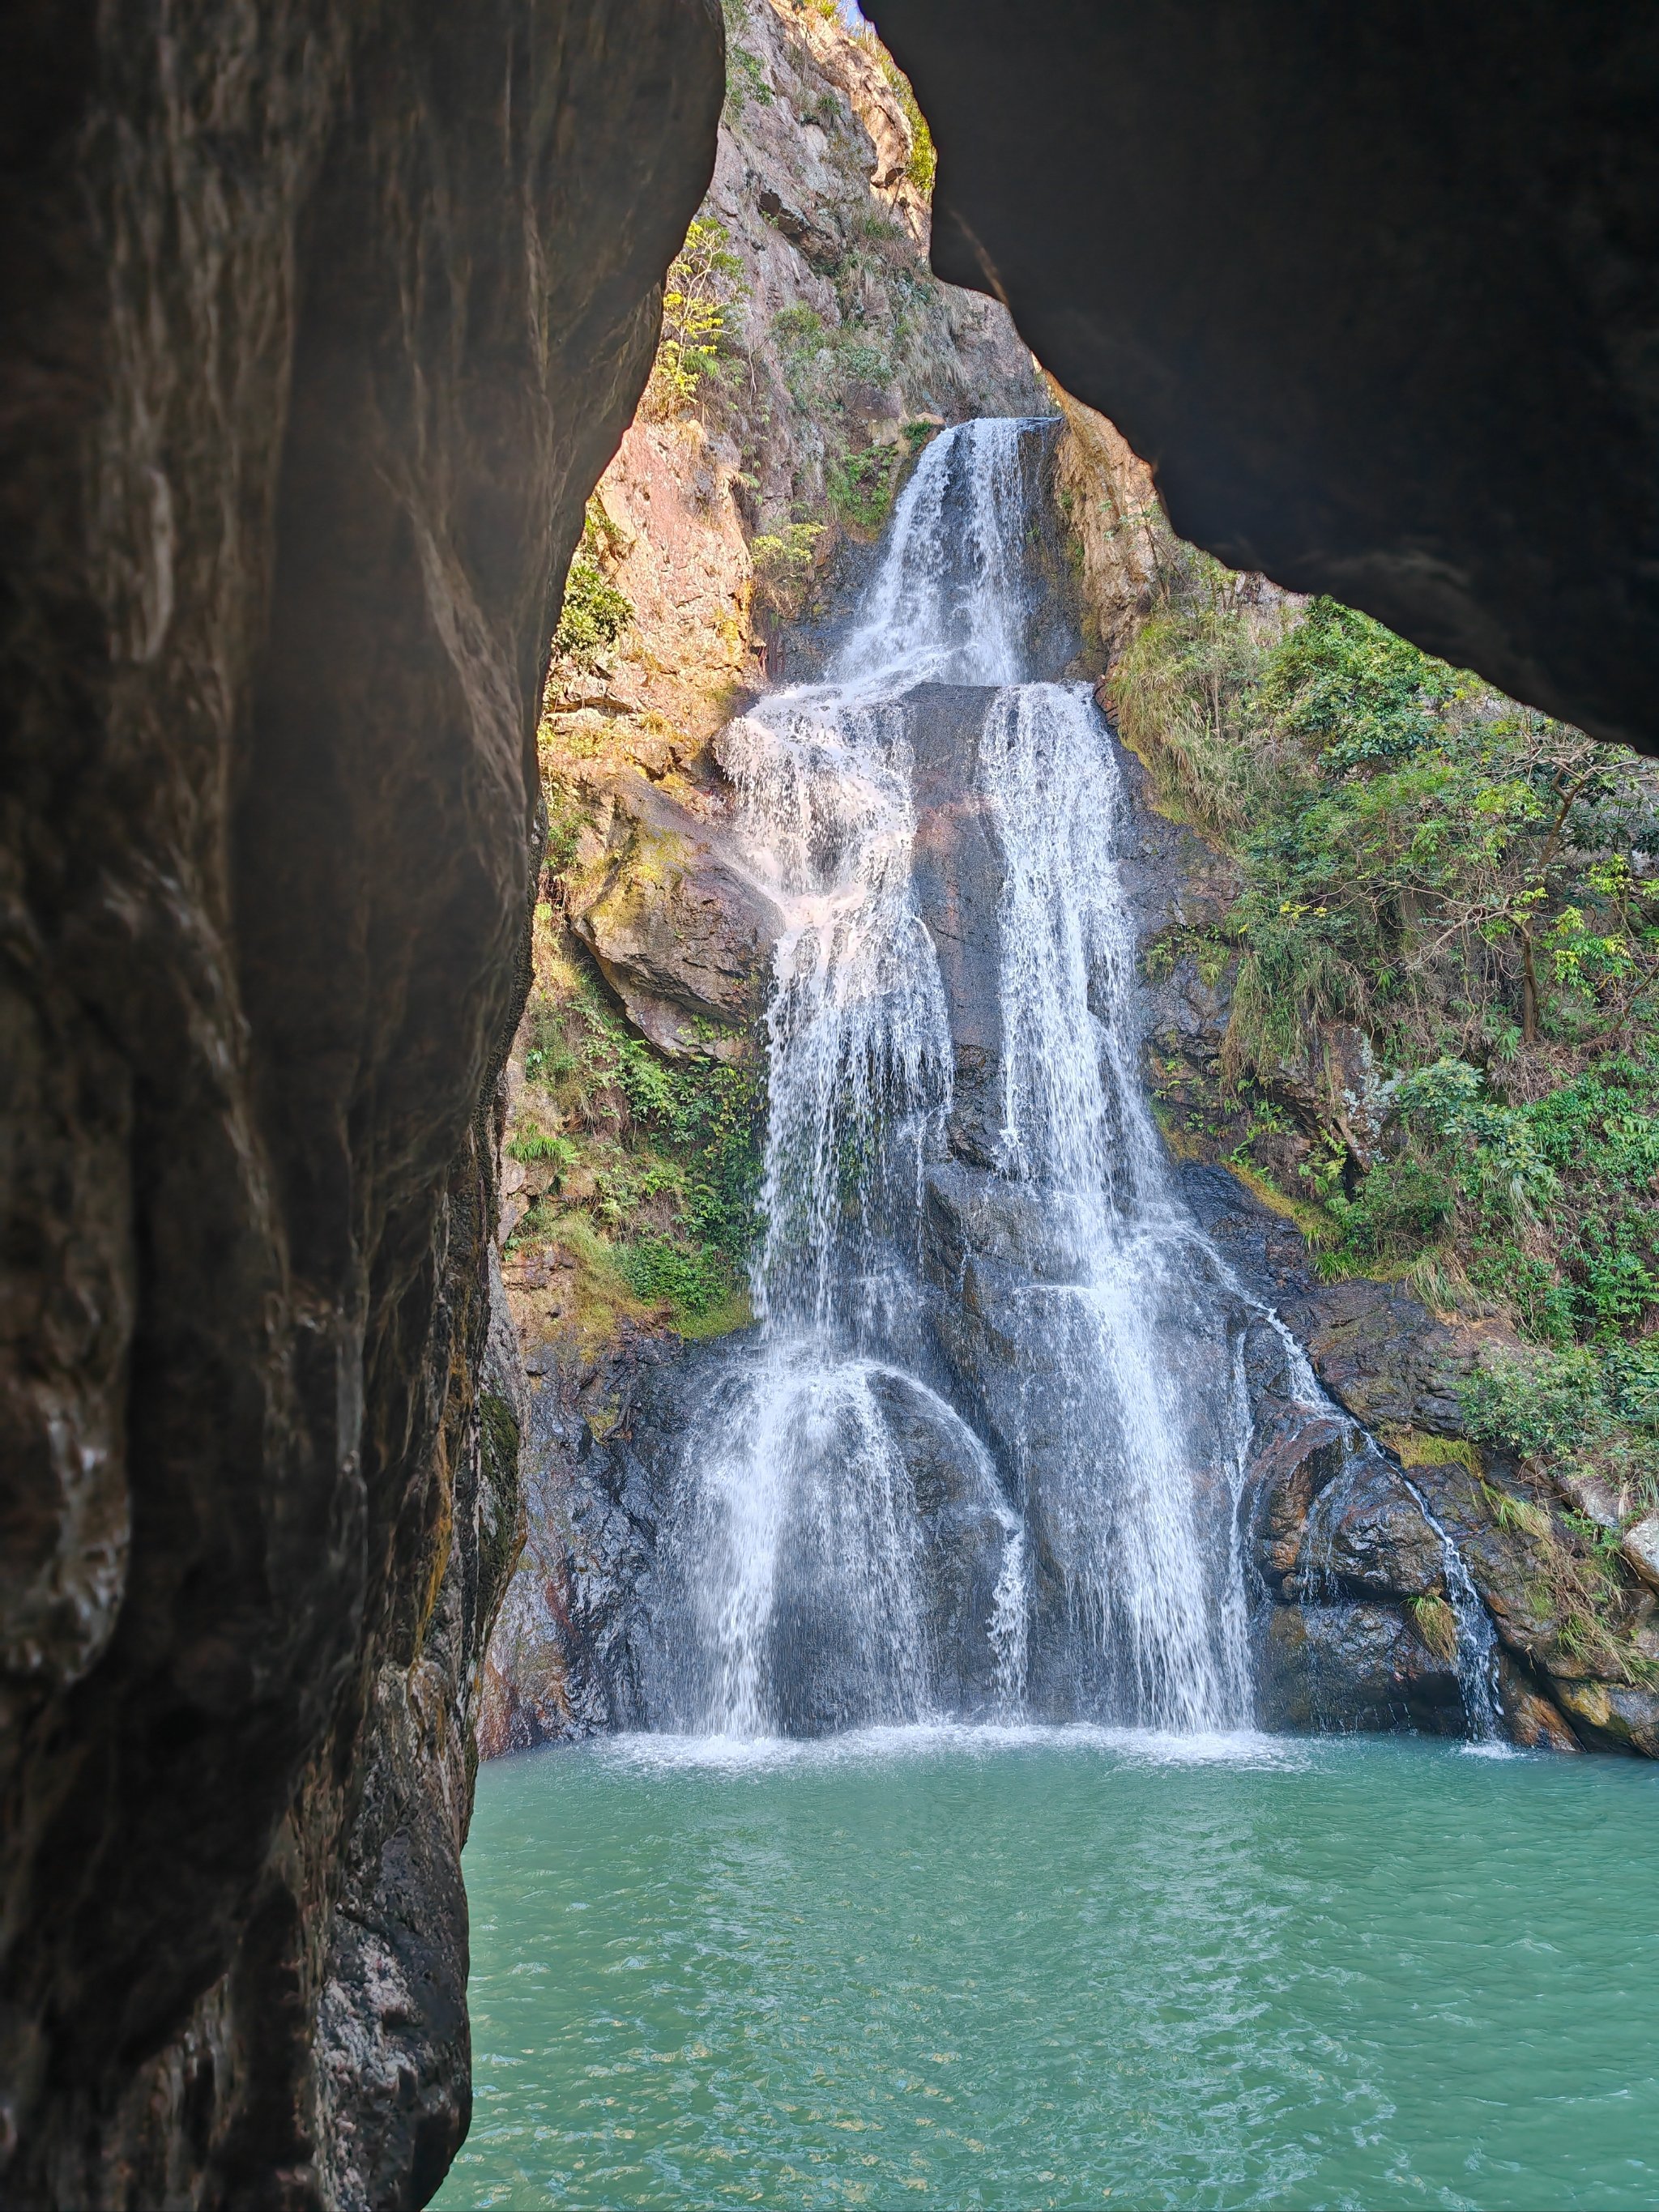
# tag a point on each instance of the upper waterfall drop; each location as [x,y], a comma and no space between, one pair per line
[986,1456]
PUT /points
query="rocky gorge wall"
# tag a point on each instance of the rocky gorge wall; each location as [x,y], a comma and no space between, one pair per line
[1373,295]
[322,322]
[729,524]
[1368,1530]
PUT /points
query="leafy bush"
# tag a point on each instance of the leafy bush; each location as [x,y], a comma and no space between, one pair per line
[692,1279]
[698,294]
[783,562]
[658,1161]
[1399,1205]
[593,617]
[1588,1405]
[745,80]
[861,487]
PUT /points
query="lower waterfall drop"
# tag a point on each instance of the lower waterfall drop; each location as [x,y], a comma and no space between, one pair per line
[985,1456]
[1148,1581]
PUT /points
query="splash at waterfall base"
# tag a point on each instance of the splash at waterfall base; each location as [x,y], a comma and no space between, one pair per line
[1025,1429]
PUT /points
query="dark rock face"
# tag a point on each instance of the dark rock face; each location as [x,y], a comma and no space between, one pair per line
[321,323]
[1375,293]
[957,872]
[1344,1668]
[1379,1545]
[1384,1354]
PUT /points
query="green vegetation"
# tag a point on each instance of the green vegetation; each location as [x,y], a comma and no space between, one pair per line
[1437,1624]
[595,613]
[745,80]
[646,1170]
[861,486]
[1474,889]
[696,345]
[783,561]
[923,164]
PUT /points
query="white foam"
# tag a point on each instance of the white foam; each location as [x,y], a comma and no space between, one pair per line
[935,1740]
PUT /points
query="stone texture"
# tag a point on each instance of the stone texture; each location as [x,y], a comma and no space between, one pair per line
[1379,1545]
[964,1533]
[680,929]
[1534,1723]
[326,319]
[1384,1355]
[1376,293]
[1354,1666]
[1288,1471]
[1615,1716]
[1640,1546]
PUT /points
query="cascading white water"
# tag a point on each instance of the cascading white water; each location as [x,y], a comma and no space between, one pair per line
[1093,1562]
[799,1505]
[1125,1521]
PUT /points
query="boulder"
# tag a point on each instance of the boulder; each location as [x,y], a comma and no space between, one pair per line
[1380,1544]
[957,871]
[1299,1457]
[965,1524]
[1476,181]
[681,931]
[322,321]
[1640,1546]
[1534,1721]
[1615,1716]
[1384,1355]
[1355,1667]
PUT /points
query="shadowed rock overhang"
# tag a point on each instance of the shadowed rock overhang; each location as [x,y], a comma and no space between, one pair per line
[1374,289]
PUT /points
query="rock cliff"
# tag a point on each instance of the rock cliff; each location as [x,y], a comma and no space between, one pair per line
[817,356]
[1390,1541]
[1347,1547]
[322,322]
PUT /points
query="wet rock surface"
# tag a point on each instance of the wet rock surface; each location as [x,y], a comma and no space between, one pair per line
[1359,1667]
[327,319]
[1355,1626]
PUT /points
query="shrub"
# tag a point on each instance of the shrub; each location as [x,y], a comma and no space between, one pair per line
[1399,1205]
[861,487]
[593,617]
[697,294]
[783,562]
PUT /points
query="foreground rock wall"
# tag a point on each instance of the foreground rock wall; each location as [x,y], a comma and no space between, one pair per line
[325,320]
[1375,293]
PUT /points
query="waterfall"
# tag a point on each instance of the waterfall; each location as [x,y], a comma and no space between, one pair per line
[987,1455]
[1077,1128]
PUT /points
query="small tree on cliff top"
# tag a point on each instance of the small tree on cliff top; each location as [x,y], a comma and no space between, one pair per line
[698,292]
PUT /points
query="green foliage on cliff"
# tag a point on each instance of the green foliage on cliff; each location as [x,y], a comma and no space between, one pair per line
[861,487]
[923,165]
[696,345]
[595,613]
[593,617]
[1475,889]
[648,1169]
[783,560]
